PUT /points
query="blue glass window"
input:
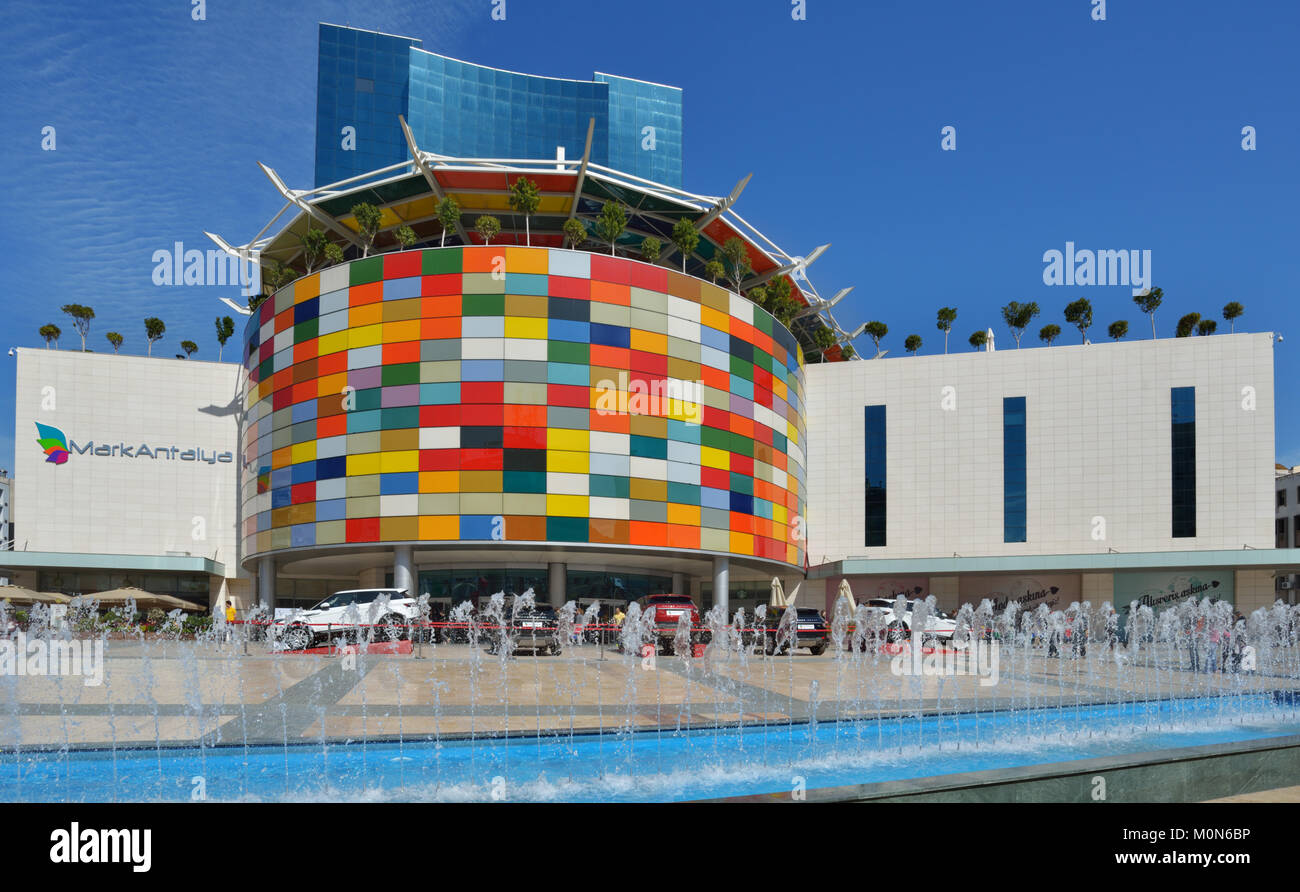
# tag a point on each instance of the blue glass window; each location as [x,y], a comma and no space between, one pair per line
[1014,471]
[876,476]
[1183,440]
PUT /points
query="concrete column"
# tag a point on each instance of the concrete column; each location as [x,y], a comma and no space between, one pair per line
[557,575]
[266,583]
[679,584]
[404,570]
[721,582]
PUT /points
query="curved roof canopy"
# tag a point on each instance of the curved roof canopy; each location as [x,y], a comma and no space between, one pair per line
[407,194]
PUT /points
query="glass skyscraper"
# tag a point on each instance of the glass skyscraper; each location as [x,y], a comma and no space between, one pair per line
[366,79]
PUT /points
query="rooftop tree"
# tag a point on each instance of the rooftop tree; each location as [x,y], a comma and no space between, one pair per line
[1206,327]
[368,218]
[946,317]
[737,257]
[81,318]
[685,237]
[611,224]
[1017,316]
[912,343]
[153,330]
[714,270]
[876,331]
[575,233]
[190,348]
[525,199]
[1079,314]
[487,227]
[1148,302]
[225,329]
[979,339]
[1231,313]
[1187,325]
[333,256]
[404,236]
[1049,333]
[313,247]
[51,334]
[651,248]
[448,212]
[1118,330]
[115,339]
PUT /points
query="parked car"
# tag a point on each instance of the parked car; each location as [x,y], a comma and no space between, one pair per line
[327,619]
[530,628]
[668,611]
[939,626]
[811,632]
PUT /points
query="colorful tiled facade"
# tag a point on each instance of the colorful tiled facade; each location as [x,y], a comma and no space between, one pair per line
[521,395]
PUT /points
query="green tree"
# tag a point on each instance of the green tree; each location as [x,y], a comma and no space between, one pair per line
[1049,333]
[1079,314]
[876,331]
[448,212]
[737,257]
[759,295]
[190,348]
[947,316]
[279,276]
[651,248]
[51,334]
[487,227]
[979,339]
[313,247]
[524,199]
[333,256]
[115,339]
[225,329]
[1232,312]
[575,233]
[847,351]
[912,343]
[686,237]
[81,318]
[1148,302]
[714,270]
[153,330]
[1118,330]
[257,300]
[1187,325]
[368,219]
[404,236]
[1017,316]
[1206,327]
[611,224]
[823,339]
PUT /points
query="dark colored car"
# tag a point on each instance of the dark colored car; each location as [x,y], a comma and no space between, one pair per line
[668,611]
[811,631]
[530,628]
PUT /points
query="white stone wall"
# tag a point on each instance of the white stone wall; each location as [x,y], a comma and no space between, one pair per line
[1098,446]
[116,505]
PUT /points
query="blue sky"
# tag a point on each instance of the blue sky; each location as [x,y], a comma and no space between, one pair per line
[1119,134]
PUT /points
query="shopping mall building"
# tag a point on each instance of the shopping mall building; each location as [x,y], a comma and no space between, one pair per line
[463,417]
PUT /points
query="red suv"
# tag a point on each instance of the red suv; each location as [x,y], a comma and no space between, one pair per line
[668,610]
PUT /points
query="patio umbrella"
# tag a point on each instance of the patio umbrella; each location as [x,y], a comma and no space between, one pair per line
[118,597]
[17,594]
[847,592]
[778,598]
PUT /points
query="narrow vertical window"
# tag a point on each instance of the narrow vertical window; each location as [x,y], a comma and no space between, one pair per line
[1014,487]
[875,439]
[1183,440]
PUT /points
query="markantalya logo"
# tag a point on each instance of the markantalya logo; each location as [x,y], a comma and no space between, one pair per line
[53,442]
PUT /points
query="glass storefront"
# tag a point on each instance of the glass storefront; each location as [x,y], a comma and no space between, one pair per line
[446,588]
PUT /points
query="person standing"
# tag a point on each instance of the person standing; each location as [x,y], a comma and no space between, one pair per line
[230,621]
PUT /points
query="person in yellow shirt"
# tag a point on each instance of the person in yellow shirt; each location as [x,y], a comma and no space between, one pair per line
[230,620]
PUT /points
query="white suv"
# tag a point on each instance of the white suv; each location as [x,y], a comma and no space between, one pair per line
[351,613]
[938,626]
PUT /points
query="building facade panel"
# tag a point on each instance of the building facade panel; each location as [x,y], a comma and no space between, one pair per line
[1099,450]
[354,437]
